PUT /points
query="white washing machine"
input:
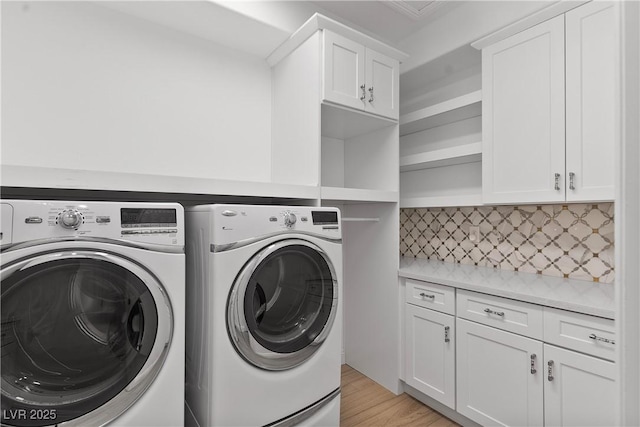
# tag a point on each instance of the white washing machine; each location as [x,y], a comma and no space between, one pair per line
[92,313]
[263,316]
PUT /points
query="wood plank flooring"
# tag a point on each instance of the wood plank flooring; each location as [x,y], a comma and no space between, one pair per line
[367,404]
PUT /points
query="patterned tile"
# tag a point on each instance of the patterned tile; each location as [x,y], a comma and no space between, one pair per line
[572,240]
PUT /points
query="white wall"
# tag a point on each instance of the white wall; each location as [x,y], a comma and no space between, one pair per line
[86,87]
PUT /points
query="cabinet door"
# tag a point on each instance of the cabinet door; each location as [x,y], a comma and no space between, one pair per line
[579,390]
[381,75]
[343,81]
[592,52]
[430,353]
[523,157]
[499,377]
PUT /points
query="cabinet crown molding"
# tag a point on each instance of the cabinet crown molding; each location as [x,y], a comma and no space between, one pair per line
[321,22]
[545,14]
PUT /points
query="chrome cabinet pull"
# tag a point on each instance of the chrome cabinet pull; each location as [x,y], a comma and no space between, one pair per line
[371,94]
[446,334]
[364,93]
[572,178]
[533,364]
[557,181]
[497,313]
[550,370]
[423,295]
[597,338]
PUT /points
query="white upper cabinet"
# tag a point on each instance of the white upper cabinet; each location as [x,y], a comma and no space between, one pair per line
[523,116]
[343,71]
[381,78]
[591,101]
[549,110]
[358,77]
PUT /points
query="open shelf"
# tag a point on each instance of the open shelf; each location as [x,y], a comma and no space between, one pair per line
[357,195]
[351,219]
[345,123]
[441,201]
[444,157]
[452,110]
[455,185]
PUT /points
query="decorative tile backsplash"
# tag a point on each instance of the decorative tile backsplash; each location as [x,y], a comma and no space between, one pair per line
[574,240]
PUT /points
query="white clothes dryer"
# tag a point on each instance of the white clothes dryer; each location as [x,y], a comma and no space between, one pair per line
[93,298]
[264,322]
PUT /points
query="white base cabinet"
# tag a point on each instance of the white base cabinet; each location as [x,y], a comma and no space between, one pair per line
[579,390]
[499,380]
[498,361]
[430,353]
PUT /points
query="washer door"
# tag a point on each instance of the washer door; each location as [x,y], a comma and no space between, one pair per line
[282,304]
[84,334]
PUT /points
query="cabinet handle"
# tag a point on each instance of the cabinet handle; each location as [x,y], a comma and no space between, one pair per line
[550,370]
[497,313]
[597,338]
[371,94]
[557,182]
[533,364]
[423,295]
[572,183]
[364,93]
[446,334]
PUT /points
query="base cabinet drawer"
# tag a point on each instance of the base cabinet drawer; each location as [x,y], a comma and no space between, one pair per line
[513,316]
[587,334]
[430,353]
[431,295]
[579,390]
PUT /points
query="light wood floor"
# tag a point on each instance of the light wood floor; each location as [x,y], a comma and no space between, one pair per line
[365,403]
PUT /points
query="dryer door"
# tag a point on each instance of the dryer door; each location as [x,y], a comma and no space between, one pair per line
[282,304]
[84,333]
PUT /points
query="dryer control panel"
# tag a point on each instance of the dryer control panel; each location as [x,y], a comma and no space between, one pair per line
[235,223]
[153,223]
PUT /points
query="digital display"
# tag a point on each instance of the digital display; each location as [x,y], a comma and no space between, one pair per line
[148,217]
[324,217]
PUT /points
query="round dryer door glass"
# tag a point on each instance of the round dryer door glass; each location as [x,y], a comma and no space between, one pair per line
[283,304]
[75,333]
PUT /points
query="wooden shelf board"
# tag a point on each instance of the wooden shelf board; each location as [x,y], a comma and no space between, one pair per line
[344,123]
[357,195]
[452,110]
[444,157]
[441,201]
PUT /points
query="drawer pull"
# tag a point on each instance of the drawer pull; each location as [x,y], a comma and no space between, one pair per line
[497,313]
[597,338]
[446,334]
[533,364]
[423,295]
[550,370]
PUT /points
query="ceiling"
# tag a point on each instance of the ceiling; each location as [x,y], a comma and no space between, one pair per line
[389,20]
[258,26]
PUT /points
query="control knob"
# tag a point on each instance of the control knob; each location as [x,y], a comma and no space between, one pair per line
[289,219]
[70,219]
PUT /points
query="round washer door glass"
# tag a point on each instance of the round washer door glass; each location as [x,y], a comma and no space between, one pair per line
[283,304]
[76,330]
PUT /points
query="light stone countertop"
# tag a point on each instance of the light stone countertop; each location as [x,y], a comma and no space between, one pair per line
[597,299]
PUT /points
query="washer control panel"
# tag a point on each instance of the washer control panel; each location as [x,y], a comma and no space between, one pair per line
[157,223]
